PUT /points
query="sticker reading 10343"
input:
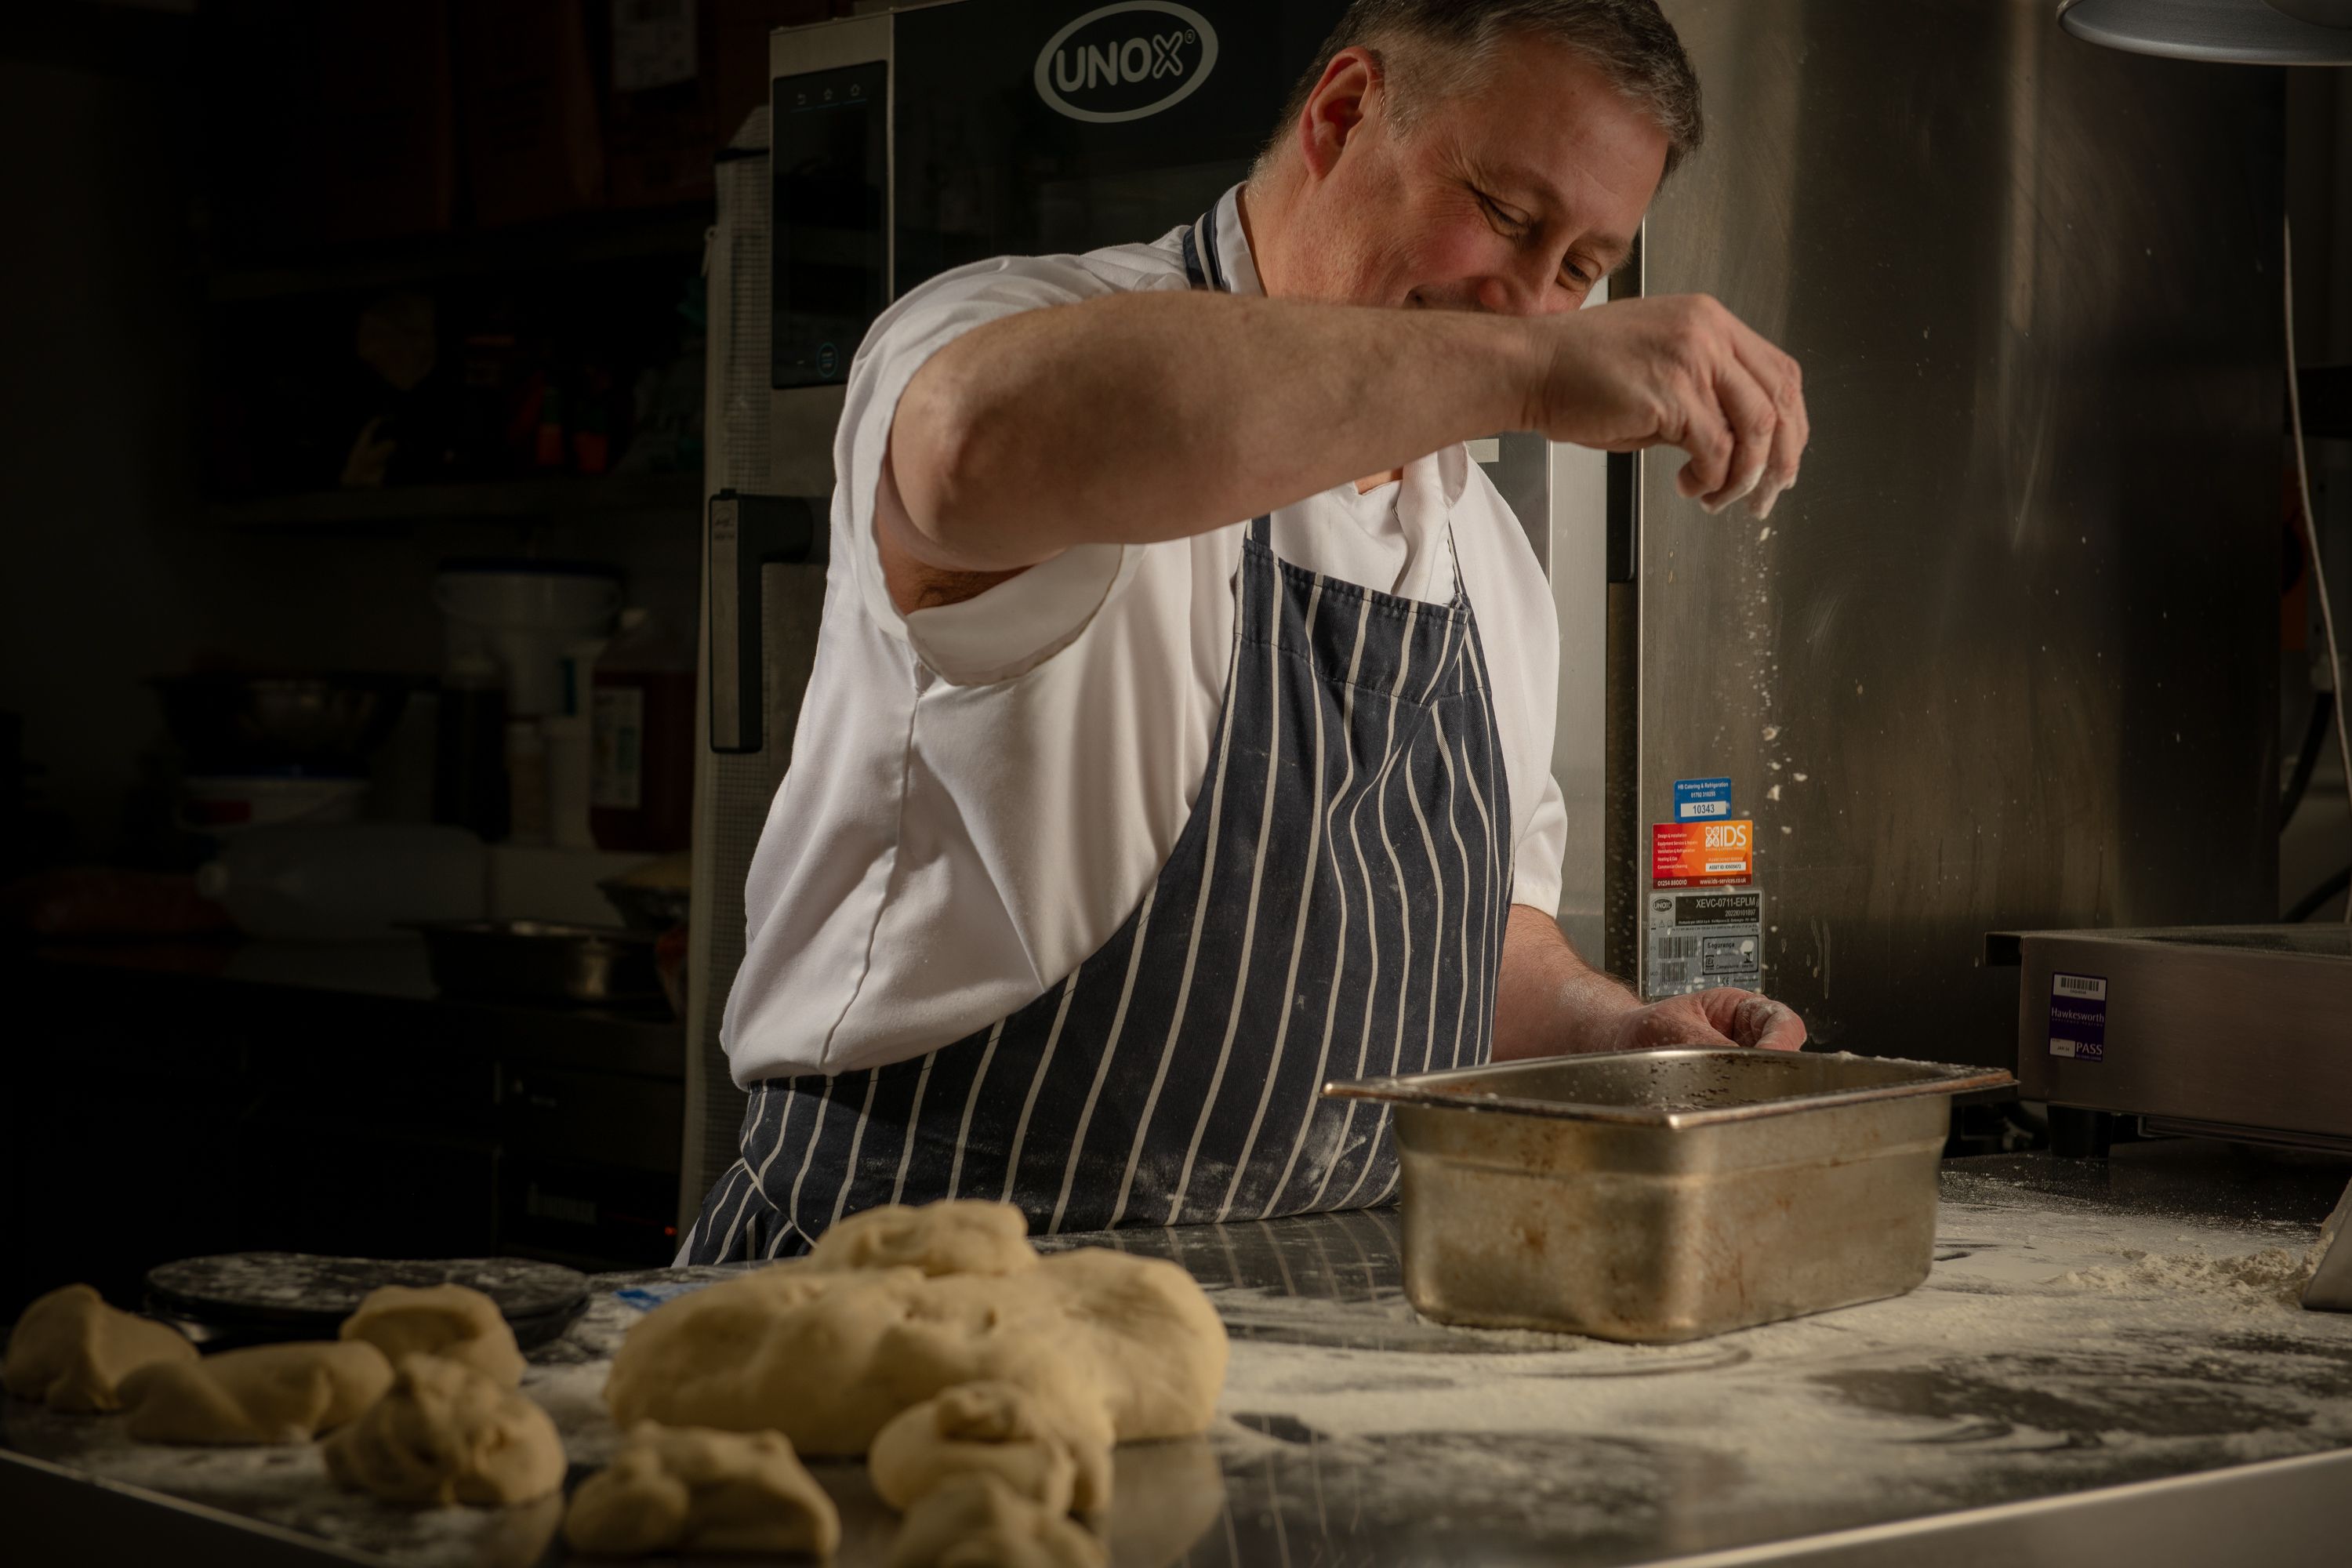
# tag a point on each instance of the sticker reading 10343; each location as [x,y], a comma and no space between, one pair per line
[2078,1018]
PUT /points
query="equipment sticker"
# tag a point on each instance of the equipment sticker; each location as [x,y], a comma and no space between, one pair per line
[1699,941]
[2078,1018]
[1701,855]
[1702,800]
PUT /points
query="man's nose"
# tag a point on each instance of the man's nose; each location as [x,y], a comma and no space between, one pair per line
[1512,293]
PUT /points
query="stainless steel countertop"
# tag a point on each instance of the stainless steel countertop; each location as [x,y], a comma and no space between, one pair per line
[1352,1431]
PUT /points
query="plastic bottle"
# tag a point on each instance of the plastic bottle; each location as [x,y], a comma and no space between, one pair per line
[352,882]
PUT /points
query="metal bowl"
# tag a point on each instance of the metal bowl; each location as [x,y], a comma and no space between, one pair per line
[227,721]
[540,961]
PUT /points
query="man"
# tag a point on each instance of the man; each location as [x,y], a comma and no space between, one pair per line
[1116,826]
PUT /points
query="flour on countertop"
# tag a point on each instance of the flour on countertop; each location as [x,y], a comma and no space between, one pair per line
[2275,1276]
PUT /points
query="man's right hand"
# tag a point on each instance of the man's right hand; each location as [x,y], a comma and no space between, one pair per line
[1678,371]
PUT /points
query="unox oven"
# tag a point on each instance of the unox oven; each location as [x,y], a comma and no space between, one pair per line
[914,141]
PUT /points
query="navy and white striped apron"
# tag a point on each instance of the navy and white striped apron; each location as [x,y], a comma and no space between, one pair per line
[1333,907]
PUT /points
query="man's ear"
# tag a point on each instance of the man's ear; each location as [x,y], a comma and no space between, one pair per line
[1336,107]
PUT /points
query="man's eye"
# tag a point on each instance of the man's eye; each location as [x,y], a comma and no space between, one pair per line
[1501,219]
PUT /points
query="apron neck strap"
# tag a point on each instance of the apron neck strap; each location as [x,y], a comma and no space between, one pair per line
[1203,268]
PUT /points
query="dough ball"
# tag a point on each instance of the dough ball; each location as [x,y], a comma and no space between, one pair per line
[689,1490]
[1126,1348]
[956,1236]
[994,1429]
[445,1321]
[446,1434]
[268,1393]
[975,1520]
[72,1350]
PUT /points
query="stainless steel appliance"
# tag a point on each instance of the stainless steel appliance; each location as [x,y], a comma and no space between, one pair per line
[2005,657]
[2238,1032]
[2001,660]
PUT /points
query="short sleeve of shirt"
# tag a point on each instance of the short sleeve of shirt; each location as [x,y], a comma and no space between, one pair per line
[1015,625]
[1536,859]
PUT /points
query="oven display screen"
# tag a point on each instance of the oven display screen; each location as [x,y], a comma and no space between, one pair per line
[831,252]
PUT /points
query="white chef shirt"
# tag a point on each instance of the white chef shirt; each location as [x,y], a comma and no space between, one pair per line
[980,794]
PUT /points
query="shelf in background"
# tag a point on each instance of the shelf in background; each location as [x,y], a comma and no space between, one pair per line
[562,497]
[584,240]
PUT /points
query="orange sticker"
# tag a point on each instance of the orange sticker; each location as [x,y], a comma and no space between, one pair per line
[1701,854]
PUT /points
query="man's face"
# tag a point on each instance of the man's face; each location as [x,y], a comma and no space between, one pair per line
[1517,198]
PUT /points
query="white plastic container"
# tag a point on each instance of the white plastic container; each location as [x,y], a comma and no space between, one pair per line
[352,882]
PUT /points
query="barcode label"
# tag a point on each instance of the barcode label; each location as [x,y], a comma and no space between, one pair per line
[1704,937]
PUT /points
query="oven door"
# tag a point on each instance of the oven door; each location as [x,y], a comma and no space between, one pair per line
[1005,127]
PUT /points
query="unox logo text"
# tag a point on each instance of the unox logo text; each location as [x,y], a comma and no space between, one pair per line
[1125,61]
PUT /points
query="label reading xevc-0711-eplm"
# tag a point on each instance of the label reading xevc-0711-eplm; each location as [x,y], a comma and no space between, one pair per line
[1702,939]
[2078,1018]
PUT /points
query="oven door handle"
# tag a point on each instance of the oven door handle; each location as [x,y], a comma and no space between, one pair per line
[744,533]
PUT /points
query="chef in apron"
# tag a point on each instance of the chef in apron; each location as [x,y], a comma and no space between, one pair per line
[1157,767]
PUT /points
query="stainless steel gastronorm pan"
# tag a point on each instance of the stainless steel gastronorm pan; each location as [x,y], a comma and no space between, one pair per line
[1661,1196]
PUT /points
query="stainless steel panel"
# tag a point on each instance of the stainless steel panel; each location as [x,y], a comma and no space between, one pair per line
[2281,1513]
[2242,1029]
[1657,1196]
[2005,655]
[759,442]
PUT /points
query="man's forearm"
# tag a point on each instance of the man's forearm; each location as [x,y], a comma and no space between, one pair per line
[1140,417]
[1550,1001]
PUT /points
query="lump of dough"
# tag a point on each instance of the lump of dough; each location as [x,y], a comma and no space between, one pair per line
[956,1236]
[688,1488]
[994,1428]
[446,1434]
[974,1520]
[445,1321]
[1128,1349]
[72,1350]
[268,1393]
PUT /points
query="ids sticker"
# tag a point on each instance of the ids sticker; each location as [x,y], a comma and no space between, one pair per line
[1702,940]
[1702,800]
[2078,1018]
[1701,854]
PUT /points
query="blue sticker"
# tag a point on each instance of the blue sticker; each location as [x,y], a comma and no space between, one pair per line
[2078,1018]
[645,1298]
[1702,800]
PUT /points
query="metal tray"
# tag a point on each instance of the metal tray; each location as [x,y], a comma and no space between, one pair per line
[1655,1196]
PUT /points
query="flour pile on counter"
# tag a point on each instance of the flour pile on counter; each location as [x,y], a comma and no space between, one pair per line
[988,1383]
[2274,1274]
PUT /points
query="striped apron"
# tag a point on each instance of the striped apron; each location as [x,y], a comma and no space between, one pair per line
[1333,907]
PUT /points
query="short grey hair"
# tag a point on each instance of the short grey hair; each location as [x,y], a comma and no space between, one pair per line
[1429,50]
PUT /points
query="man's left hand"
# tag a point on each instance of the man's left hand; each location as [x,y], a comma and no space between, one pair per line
[1724,1016]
